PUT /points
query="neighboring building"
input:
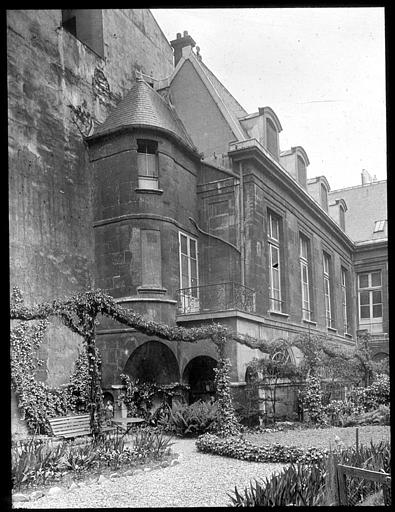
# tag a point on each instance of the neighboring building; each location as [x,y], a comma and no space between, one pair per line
[366,223]
[175,201]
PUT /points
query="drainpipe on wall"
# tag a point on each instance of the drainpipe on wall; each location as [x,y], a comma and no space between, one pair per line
[242,245]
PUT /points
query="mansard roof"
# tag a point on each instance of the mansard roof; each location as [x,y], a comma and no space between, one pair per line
[144,107]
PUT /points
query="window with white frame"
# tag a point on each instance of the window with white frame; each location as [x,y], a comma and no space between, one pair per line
[370,302]
[188,264]
[327,289]
[274,262]
[304,277]
[147,164]
[344,280]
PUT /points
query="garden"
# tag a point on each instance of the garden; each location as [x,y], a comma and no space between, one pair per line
[358,423]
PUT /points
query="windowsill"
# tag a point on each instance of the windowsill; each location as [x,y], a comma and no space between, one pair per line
[151,289]
[310,322]
[348,335]
[279,313]
[157,191]
[332,329]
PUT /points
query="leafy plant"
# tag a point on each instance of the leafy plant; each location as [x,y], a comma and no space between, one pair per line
[191,420]
[311,399]
[299,484]
[304,484]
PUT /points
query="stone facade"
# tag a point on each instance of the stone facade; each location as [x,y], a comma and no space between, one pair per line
[148,180]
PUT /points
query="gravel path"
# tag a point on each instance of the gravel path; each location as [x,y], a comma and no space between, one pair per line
[200,480]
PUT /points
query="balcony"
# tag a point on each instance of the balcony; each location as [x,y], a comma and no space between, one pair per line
[215,297]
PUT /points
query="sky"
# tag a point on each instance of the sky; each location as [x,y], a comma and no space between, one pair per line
[322,70]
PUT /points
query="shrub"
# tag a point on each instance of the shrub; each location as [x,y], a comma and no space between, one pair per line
[240,448]
[378,393]
[191,420]
[311,397]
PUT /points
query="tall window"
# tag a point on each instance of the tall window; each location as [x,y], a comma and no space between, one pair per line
[304,277]
[151,260]
[147,164]
[344,299]
[188,264]
[370,301]
[274,262]
[271,136]
[324,197]
[327,290]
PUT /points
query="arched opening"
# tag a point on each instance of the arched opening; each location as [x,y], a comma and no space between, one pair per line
[199,375]
[153,362]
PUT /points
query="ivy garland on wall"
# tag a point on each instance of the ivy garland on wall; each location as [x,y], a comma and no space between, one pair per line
[80,313]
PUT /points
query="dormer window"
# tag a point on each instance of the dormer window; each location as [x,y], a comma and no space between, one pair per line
[271,138]
[302,175]
[147,164]
[324,197]
[342,218]
[379,226]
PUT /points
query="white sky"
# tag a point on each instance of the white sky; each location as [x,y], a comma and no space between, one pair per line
[322,70]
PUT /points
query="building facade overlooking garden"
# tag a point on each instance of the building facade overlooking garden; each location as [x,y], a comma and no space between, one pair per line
[134,170]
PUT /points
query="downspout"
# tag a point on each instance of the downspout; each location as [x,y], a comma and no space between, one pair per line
[241,216]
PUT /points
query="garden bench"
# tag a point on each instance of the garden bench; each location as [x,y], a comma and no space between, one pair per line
[74,426]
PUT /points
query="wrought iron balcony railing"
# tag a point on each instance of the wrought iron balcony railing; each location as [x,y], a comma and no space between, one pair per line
[216,297]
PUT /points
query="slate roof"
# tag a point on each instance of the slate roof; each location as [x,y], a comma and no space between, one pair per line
[143,106]
[232,104]
[366,204]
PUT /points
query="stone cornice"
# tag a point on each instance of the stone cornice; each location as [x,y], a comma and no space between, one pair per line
[253,149]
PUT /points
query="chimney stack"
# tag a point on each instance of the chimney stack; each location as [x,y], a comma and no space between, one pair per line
[179,43]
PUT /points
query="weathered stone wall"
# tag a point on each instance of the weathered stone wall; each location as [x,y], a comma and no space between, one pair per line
[58,88]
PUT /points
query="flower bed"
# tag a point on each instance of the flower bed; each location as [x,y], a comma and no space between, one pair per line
[38,461]
[240,448]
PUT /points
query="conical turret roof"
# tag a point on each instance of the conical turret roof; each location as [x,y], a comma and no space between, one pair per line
[144,107]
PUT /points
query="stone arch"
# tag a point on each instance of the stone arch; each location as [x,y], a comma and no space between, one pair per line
[199,375]
[153,361]
[380,356]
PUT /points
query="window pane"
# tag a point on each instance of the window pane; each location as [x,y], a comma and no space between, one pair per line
[304,270]
[377,297]
[326,286]
[377,311]
[364,298]
[193,269]
[343,277]
[365,311]
[363,280]
[274,252]
[376,278]
[326,263]
[184,244]
[274,227]
[276,280]
[303,247]
[192,245]
[184,265]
